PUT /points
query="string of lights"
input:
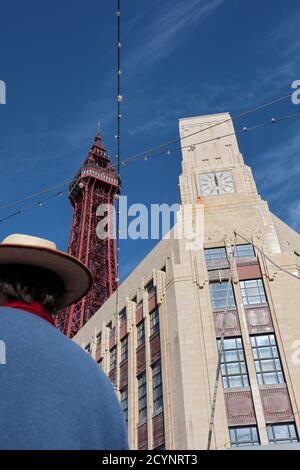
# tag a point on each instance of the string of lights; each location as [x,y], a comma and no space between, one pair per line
[147,153]
[119,116]
[237,116]
[39,203]
[33,195]
[243,130]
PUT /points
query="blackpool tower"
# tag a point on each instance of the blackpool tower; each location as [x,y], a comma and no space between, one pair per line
[95,184]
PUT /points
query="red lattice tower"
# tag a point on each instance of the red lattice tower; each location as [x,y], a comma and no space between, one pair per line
[96,183]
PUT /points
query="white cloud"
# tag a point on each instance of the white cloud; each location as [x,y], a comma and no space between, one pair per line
[163,35]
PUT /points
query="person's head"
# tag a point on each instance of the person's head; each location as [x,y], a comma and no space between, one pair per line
[32,269]
[29,284]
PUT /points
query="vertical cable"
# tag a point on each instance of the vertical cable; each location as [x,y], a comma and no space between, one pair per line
[221,348]
[119,115]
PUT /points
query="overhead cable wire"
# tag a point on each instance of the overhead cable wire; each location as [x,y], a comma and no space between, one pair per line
[237,116]
[147,153]
[118,138]
[244,130]
[33,195]
[39,203]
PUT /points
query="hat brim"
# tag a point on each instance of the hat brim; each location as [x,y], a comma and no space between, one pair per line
[75,276]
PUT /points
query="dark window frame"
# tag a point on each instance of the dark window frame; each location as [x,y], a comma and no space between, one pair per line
[141,333]
[124,402]
[113,359]
[98,340]
[233,356]
[142,397]
[250,291]
[158,402]
[267,359]
[235,440]
[218,295]
[150,288]
[124,349]
[245,250]
[154,322]
[123,315]
[214,254]
[291,431]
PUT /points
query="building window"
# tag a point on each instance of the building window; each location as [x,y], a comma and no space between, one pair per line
[244,251]
[122,316]
[282,432]
[253,292]
[100,363]
[88,348]
[141,333]
[113,359]
[98,341]
[233,365]
[244,436]
[154,322]
[218,292]
[267,361]
[124,402]
[212,254]
[142,387]
[157,387]
[150,288]
[124,349]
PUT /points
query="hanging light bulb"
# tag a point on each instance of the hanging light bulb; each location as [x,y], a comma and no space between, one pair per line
[120,98]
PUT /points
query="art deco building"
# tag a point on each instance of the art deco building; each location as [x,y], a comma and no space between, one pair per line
[161,352]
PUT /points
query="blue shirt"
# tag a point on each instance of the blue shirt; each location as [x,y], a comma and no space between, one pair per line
[52,393]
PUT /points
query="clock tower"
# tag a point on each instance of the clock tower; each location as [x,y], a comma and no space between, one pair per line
[214,176]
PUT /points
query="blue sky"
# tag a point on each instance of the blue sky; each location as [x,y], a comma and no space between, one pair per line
[180,58]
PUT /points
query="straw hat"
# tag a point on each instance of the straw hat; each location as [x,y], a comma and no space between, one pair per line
[34,251]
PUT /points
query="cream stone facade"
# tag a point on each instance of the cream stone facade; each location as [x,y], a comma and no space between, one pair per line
[171,311]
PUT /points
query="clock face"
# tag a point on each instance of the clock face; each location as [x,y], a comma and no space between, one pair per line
[220,182]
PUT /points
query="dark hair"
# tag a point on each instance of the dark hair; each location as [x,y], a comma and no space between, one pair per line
[31,284]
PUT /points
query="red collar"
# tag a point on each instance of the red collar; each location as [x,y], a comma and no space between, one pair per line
[35,308]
